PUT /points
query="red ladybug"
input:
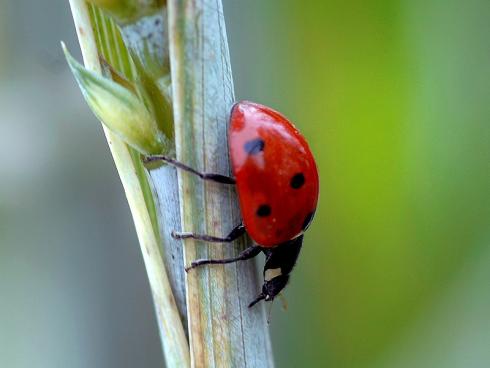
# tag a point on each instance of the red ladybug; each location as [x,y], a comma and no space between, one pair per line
[277,185]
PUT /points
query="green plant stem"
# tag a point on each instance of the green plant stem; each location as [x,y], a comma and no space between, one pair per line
[223,332]
[174,341]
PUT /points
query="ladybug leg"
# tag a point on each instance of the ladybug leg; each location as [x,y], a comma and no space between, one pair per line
[234,234]
[259,297]
[248,253]
[218,178]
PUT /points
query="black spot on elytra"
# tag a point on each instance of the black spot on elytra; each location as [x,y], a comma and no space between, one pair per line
[264,210]
[297,181]
[254,146]
[307,220]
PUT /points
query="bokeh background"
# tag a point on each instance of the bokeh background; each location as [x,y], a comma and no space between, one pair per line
[394,98]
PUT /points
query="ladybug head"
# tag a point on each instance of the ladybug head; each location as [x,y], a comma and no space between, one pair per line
[271,288]
[274,286]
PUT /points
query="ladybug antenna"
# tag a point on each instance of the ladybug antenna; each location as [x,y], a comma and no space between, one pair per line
[270,312]
[284,302]
[258,299]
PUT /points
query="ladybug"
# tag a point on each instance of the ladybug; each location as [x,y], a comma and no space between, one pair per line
[277,182]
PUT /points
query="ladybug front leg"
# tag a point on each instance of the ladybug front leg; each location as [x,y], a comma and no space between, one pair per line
[248,253]
[234,234]
[218,178]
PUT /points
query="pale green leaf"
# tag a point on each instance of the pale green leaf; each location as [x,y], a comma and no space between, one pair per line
[119,109]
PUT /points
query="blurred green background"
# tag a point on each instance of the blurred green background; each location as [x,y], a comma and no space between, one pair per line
[394,98]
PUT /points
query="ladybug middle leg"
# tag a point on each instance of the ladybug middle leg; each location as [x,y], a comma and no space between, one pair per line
[248,253]
[218,178]
[234,234]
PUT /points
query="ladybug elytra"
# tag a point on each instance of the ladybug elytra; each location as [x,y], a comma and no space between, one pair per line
[277,184]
